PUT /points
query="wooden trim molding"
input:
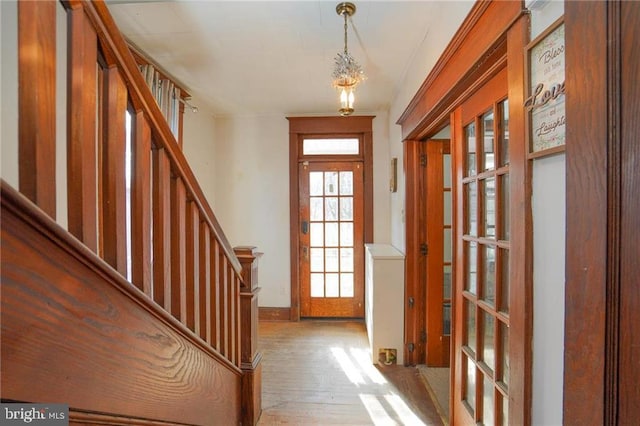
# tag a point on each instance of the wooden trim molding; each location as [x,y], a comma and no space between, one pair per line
[299,126]
[274,314]
[470,54]
[602,297]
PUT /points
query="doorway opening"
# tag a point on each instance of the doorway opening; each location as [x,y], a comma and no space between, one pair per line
[331,214]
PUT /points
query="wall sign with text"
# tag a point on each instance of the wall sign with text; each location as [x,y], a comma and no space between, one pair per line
[545,91]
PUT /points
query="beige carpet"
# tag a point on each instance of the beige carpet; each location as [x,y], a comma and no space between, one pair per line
[437,381]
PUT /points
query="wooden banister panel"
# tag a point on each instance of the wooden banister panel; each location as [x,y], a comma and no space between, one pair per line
[161,188]
[193,267]
[37,103]
[82,169]
[178,250]
[238,318]
[113,171]
[215,293]
[204,299]
[141,205]
[224,305]
[117,51]
[76,332]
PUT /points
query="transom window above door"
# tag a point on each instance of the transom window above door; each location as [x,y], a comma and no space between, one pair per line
[342,146]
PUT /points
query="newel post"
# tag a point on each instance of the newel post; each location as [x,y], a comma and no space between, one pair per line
[250,356]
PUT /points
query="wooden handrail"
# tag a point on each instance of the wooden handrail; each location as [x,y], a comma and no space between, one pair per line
[117,52]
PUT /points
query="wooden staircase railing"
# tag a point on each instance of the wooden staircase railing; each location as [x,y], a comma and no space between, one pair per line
[159,234]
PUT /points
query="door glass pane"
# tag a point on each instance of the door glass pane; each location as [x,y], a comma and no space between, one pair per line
[488,354]
[317,235]
[488,188]
[505,412]
[447,245]
[330,146]
[346,259]
[331,183]
[331,212]
[317,260]
[317,285]
[446,319]
[447,282]
[446,195]
[331,260]
[470,138]
[471,325]
[346,234]
[446,169]
[472,266]
[346,208]
[487,403]
[316,208]
[331,234]
[346,183]
[504,280]
[472,209]
[332,287]
[315,183]
[504,206]
[346,285]
[487,141]
[489,282]
[504,355]
[504,133]
[470,388]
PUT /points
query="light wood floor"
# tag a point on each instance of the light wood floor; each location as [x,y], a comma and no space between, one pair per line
[320,373]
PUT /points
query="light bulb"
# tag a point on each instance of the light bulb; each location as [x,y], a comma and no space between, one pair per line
[343,98]
[352,98]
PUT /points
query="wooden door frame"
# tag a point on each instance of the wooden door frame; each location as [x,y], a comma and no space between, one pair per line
[600,149]
[493,36]
[360,126]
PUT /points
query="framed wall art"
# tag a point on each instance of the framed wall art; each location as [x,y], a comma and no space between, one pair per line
[545,101]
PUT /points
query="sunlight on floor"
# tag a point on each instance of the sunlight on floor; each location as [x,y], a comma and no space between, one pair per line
[348,366]
[382,411]
[380,416]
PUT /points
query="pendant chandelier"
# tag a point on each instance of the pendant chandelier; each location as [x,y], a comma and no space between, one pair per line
[347,73]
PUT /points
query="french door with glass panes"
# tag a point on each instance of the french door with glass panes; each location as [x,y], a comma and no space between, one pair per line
[481,348]
[331,239]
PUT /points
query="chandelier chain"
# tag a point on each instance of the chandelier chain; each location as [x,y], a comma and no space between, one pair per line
[345,32]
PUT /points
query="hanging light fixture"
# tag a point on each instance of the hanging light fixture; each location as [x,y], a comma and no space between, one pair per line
[347,73]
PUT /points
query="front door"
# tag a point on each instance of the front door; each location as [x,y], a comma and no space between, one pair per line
[482,289]
[331,239]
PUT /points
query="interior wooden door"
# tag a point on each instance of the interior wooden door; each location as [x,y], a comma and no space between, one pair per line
[482,284]
[331,239]
[438,216]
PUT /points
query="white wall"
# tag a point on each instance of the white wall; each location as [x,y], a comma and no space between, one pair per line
[252,195]
[548,205]
[198,147]
[9,91]
[435,41]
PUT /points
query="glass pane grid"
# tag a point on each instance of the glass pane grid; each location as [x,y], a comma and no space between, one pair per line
[332,259]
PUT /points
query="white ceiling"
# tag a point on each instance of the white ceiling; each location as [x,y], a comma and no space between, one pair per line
[276,57]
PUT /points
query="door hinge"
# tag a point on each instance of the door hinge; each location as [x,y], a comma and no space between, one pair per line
[423,336]
[424,249]
[423,160]
[411,302]
[411,347]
